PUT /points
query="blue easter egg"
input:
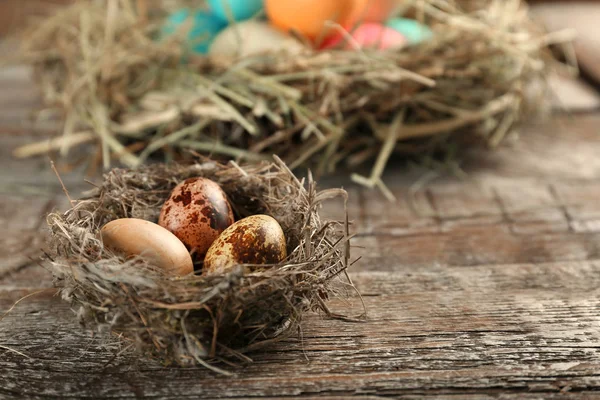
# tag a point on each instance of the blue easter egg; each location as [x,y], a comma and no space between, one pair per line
[240,9]
[204,27]
[413,30]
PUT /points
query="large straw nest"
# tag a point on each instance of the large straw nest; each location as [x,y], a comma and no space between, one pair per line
[118,86]
[195,319]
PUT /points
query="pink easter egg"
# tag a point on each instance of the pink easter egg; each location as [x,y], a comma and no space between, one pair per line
[369,35]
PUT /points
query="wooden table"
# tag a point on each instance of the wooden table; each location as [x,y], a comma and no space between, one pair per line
[486,287]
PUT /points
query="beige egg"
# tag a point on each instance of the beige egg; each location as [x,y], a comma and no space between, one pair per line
[250,38]
[257,239]
[137,237]
[196,212]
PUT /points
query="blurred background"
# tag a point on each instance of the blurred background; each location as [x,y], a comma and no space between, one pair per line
[580,15]
[13,13]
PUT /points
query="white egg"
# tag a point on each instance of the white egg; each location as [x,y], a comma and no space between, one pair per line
[250,38]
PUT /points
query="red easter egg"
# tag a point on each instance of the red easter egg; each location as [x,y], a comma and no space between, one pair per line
[368,35]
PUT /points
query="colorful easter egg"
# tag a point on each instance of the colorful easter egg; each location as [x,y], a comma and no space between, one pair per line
[309,17]
[369,35]
[413,30]
[239,10]
[374,10]
[250,38]
[203,27]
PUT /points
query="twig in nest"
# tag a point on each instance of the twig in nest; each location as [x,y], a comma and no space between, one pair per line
[15,351]
[21,299]
[62,184]
[61,142]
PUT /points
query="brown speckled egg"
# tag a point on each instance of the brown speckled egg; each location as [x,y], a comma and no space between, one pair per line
[197,212]
[257,239]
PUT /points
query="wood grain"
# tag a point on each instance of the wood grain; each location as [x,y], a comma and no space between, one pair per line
[439,330]
[462,304]
[15,13]
[477,288]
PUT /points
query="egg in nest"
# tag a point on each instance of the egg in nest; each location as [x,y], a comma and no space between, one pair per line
[251,38]
[137,237]
[310,17]
[257,239]
[197,212]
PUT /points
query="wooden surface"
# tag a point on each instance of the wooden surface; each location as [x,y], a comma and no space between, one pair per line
[477,288]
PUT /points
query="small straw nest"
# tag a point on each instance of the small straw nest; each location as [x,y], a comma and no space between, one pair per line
[196,319]
[117,85]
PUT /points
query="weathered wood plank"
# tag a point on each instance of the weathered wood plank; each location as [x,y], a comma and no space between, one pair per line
[477,289]
[474,246]
[580,204]
[24,231]
[455,243]
[573,95]
[15,13]
[434,331]
[482,220]
[561,148]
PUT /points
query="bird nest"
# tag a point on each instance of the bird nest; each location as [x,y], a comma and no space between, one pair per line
[197,318]
[136,97]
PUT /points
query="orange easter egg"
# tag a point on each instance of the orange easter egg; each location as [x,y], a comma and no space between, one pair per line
[309,16]
[373,10]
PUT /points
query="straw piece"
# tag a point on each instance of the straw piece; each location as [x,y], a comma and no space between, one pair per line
[45,146]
